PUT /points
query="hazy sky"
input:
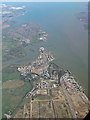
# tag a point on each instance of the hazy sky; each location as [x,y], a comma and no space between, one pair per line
[44,0]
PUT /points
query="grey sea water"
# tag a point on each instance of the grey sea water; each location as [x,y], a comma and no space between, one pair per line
[67,38]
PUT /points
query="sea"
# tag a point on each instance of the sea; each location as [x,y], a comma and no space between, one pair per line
[67,38]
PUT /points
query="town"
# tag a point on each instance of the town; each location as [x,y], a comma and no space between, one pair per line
[54,90]
[40,66]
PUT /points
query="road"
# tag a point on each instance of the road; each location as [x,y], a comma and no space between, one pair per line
[71,109]
[31,106]
[25,112]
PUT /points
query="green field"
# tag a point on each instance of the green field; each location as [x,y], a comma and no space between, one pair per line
[14,89]
[10,73]
[11,48]
[42,97]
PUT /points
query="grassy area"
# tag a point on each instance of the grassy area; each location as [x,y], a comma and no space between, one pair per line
[6,76]
[42,97]
[12,97]
[10,73]
[14,89]
[13,84]
[13,53]
[11,48]
[8,42]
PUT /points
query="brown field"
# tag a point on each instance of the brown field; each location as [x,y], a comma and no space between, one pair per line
[35,110]
[12,84]
[78,103]
[41,109]
[61,109]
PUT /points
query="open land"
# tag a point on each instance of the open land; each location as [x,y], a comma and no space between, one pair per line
[15,40]
[48,91]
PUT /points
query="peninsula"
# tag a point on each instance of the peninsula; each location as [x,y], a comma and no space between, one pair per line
[54,94]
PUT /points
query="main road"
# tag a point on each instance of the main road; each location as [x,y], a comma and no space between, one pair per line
[71,109]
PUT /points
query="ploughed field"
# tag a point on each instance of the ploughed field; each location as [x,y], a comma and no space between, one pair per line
[52,106]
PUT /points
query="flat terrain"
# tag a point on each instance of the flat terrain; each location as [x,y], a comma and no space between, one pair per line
[13,84]
[46,106]
[14,89]
[15,40]
[79,103]
[41,109]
